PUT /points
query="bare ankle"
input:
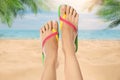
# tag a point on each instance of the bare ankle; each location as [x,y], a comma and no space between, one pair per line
[68,53]
[51,59]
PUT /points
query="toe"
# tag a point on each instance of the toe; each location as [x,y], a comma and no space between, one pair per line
[41,32]
[73,16]
[43,29]
[68,10]
[50,25]
[62,10]
[55,25]
[74,13]
[46,27]
[71,11]
[76,19]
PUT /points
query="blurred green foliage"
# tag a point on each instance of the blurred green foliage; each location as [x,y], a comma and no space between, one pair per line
[10,9]
[110,11]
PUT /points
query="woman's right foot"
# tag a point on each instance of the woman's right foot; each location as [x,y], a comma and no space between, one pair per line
[68,33]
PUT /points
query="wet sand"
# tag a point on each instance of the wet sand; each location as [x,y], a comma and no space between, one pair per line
[21,60]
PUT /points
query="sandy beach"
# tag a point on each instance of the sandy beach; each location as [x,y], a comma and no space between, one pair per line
[21,60]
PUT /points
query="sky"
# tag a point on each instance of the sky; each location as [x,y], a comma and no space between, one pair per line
[30,21]
[87,20]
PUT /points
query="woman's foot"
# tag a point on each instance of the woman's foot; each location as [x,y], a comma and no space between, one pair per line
[51,46]
[68,33]
[72,69]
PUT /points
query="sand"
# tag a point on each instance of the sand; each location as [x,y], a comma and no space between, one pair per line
[21,60]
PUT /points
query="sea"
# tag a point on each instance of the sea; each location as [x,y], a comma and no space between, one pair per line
[26,24]
[82,34]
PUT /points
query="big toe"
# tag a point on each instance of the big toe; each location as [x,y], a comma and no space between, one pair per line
[62,10]
[55,25]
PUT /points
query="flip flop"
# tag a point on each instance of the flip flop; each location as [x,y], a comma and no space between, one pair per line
[62,19]
[55,33]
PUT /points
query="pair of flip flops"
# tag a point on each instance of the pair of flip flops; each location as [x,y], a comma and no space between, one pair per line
[55,33]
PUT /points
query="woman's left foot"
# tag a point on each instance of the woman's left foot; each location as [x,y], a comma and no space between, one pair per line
[51,45]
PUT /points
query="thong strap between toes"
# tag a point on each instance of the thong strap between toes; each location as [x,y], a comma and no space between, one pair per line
[48,37]
[69,23]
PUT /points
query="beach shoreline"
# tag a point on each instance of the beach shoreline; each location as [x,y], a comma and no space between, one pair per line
[20,59]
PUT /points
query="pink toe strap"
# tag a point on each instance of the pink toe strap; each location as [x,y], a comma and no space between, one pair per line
[67,22]
[48,37]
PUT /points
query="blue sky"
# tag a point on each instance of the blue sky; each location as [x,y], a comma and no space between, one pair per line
[87,20]
[30,21]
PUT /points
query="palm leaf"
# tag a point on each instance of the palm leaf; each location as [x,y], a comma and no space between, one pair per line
[114,23]
[110,11]
[10,9]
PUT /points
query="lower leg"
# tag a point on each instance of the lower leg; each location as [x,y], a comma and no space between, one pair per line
[49,72]
[72,69]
